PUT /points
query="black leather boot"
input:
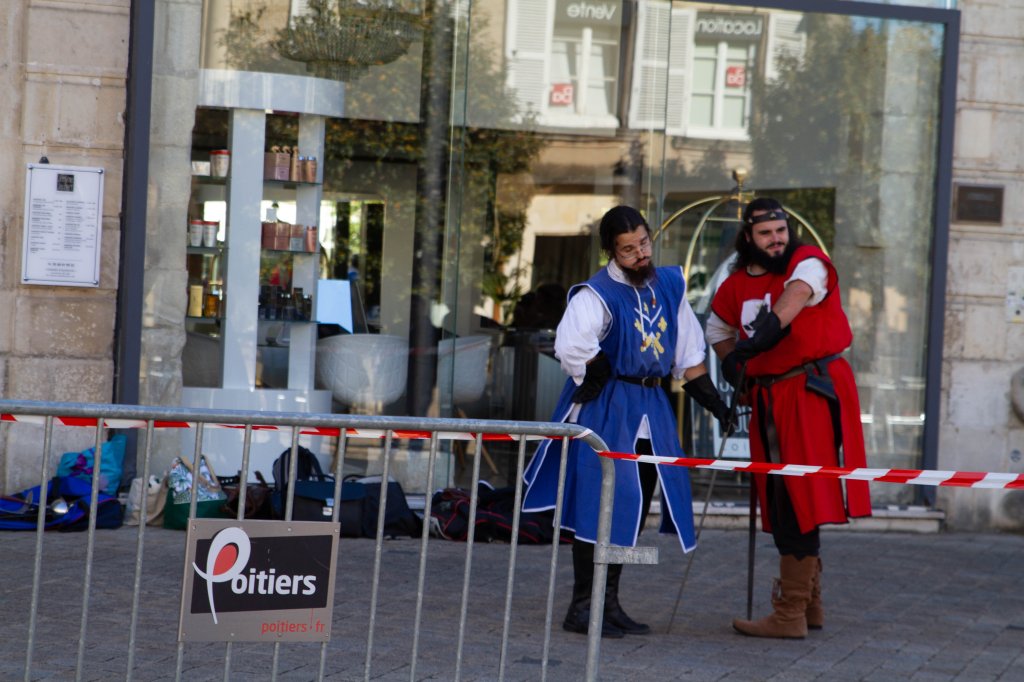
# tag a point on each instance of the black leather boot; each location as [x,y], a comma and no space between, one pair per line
[577,619]
[613,613]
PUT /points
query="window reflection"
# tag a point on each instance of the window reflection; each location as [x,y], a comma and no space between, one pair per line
[463,204]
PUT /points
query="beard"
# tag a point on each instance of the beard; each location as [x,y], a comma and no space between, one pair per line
[776,265]
[639,276]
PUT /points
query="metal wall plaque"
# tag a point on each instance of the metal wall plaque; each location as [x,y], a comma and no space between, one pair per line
[258,581]
[63,225]
[978,204]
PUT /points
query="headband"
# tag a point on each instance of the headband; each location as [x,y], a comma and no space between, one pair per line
[773,214]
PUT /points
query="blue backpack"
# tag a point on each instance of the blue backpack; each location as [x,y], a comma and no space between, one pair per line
[67,501]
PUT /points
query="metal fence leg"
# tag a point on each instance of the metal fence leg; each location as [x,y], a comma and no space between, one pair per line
[555,542]
[604,533]
[193,501]
[378,550]
[424,537]
[40,527]
[340,449]
[90,547]
[140,543]
[474,498]
[516,512]
[292,469]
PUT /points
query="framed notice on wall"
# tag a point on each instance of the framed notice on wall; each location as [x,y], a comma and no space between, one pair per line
[63,224]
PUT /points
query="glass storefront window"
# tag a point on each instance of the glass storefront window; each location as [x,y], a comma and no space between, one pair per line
[934,4]
[702,104]
[721,91]
[840,135]
[588,62]
[562,60]
[461,204]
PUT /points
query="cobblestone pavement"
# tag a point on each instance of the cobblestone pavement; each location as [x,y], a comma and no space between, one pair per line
[898,607]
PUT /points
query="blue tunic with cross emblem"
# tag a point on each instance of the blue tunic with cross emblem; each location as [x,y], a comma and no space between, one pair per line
[640,342]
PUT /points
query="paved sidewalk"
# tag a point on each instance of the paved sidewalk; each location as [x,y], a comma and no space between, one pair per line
[898,607]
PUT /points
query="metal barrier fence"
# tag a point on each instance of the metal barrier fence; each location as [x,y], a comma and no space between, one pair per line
[102,417]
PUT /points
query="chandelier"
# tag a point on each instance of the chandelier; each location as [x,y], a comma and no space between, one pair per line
[341,39]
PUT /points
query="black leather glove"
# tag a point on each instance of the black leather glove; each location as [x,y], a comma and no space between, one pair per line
[704,392]
[767,331]
[599,371]
[732,365]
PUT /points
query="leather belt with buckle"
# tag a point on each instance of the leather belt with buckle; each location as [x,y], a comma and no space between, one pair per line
[647,382]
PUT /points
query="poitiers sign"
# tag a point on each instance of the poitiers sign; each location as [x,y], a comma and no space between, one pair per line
[254,581]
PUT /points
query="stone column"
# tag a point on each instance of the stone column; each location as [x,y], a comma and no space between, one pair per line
[175,86]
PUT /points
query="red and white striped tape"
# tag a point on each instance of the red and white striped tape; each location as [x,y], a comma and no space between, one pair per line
[303,430]
[962,479]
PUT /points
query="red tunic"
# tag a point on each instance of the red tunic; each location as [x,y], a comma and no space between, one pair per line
[802,418]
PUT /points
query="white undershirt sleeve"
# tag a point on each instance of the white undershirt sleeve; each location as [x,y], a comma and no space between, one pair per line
[690,347]
[579,334]
[718,330]
[812,272]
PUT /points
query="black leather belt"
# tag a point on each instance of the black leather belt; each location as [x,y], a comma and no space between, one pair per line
[808,367]
[648,382]
[818,381]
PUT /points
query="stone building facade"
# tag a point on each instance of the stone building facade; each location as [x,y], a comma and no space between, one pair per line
[66,67]
[984,344]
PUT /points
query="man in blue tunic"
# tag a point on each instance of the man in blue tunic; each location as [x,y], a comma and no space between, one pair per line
[623,330]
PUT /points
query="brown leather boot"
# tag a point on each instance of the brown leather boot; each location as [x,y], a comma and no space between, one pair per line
[790,595]
[815,613]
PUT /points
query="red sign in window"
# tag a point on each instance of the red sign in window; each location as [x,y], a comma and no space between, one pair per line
[561,95]
[735,76]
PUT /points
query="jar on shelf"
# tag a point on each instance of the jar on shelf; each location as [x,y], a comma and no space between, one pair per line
[195,232]
[210,229]
[195,300]
[282,236]
[220,163]
[268,232]
[211,304]
[297,240]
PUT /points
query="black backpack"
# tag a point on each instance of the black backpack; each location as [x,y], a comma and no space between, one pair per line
[360,499]
[449,509]
[399,518]
[308,467]
[314,490]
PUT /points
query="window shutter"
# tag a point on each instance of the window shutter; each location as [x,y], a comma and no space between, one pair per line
[680,68]
[786,40]
[529,44]
[661,68]
[299,8]
[650,66]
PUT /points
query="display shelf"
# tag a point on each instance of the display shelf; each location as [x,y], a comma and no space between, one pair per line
[263,320]
[240,274]
[289,184]
[211,179]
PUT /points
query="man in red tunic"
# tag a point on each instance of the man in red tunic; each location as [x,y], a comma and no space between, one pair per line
[779,316]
